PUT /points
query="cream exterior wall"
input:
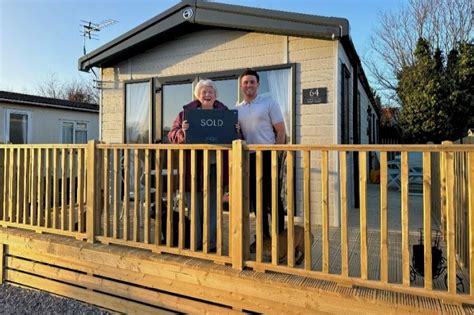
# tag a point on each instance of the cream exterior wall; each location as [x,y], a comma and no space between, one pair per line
[46,123]
[317,65]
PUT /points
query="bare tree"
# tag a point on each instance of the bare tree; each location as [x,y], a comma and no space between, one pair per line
[444,23]
[77,91]
[52,87]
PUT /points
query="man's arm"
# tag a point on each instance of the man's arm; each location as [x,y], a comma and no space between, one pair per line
[280,133]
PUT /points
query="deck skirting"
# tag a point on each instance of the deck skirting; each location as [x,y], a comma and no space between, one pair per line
[139,281]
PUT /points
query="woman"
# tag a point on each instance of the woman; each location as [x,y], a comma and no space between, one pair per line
[206,94]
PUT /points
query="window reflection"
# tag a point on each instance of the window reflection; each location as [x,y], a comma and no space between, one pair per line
[18,128]
[175,96]
[227,92]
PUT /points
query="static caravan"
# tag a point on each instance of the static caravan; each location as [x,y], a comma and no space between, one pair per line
[32,119]
[308,64]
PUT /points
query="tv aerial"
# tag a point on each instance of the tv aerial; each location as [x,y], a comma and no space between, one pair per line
[89,30]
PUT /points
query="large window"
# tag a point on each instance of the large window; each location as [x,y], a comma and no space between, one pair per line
[18,126]
[74,132]
[137,112]
[274,82]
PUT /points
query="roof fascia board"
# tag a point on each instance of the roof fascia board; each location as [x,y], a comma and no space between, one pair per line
[264,24]
[341,23]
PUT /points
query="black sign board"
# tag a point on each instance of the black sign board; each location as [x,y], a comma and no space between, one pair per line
[315,96]
[211,126]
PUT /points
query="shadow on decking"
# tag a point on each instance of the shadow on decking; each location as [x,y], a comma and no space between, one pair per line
[373,240]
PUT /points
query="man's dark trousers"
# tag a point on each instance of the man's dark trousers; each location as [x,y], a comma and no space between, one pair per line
[266,191]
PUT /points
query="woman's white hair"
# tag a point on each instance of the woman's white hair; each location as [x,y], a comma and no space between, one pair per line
[202,84]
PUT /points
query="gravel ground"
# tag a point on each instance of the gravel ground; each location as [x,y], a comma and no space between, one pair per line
[15,300]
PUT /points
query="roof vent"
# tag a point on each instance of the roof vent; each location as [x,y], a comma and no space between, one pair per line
[188,13]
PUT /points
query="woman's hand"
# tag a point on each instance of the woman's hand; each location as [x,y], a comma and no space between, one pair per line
[185,125]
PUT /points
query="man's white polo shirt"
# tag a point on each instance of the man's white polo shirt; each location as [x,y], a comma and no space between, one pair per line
[257,119]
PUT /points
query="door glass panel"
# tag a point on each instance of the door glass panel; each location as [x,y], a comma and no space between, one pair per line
[18,128]
[175,96]
[137,113]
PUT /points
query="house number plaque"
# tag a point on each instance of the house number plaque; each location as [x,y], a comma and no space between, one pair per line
[315,95]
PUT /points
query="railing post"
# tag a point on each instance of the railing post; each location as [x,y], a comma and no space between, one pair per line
[239,213]
[92,191]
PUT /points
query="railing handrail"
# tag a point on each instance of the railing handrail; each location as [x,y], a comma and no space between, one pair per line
[166,146]
[43,146]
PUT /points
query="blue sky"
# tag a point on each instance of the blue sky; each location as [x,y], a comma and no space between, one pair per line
[39,38]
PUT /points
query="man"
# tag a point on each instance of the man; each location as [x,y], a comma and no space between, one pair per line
[261,122]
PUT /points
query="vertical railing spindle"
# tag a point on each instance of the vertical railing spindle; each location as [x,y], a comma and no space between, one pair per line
[136,194]
[146,212]
[220,193]
[72,188]
[404,216]
[169,214]
[450,223]
[383,218]
[258,206]
[363,215]
[182,179]
[427,219]
[306,209]
[290,199]
[344,236]
[193,200]
[275,193]
[105,175]
[325,208]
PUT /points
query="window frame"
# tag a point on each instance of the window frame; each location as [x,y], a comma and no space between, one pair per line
[74,122]
[29,133]
[345,105]
[193,78]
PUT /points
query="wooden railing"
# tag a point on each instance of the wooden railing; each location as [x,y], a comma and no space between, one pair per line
[138,182]
[44,188]
[300,159]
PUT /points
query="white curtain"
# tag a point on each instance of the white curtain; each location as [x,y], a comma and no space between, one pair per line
[278,84]
[137,121]
[137,112]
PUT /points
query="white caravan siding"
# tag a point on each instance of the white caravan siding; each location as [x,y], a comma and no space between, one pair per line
[46,123]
